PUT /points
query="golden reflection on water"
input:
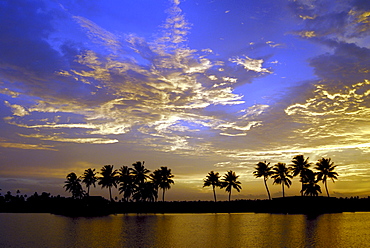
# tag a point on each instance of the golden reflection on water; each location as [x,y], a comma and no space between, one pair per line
[219,230]
[186,230]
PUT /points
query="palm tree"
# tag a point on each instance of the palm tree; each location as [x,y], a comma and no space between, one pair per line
[310,186]
[229,181]
[282,175]
[89,178]
[162,179]
[139,177]
[108,179]
[212,179]
[126,182]
[326,170]
[299,167]
[263,170]
[156,178]
[73,185]
[145,192]
[139,172]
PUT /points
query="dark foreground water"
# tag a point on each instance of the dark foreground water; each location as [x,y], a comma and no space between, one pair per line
[186,230]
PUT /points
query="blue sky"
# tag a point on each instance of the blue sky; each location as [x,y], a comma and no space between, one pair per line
[192,85]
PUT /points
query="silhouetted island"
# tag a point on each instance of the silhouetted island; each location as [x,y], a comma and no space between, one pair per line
[140,191]
[98,206]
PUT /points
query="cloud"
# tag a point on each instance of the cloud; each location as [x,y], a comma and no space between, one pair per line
[99,35]
[70,79]
[307,17]
[72,140]
[26,146]
[9,92]
[18,110]
[307,34]
[327,117]
[178,99]
[348,63]
[24,53]
[250,64]
[115,85]
[334,109]
[343,20]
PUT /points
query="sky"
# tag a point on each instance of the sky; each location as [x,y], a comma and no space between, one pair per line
[197,86]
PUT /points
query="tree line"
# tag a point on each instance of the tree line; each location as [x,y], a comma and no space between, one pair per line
[135,184]
[281,174]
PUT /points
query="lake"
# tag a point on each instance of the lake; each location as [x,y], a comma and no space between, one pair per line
[185,230]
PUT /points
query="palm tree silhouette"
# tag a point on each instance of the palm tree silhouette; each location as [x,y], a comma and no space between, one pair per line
[73,185]
[126,182]
[326,170]
[229,181]
[108,179]
[263,170]
[212,179]
[139,172]
[145,192]
[89,178]
[162,179]
[282,175]
[310,186]
[299,167]
[139,177]
[156,178]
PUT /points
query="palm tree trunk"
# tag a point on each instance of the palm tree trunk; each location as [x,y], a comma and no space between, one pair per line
[268,192]
[326,187]
[283,189]
[230,195]
[110,193]
[163,195]
[214,193]
[302,190]
[88,191]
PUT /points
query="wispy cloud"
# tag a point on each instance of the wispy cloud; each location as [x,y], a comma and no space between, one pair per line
[72,140]
[250,64]
[26,146]
[344,20]
[160,85]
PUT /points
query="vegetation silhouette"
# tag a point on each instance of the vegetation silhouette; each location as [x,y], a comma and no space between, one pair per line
[108,178]
[135,184]
[98,206]
[300,167]
[126,182]
[310,186]
[143,190]
[212,179]
[89,178]
[264,170]
[282,175]
[156,178]
[73,185]
[326,170]
[162,178]
[229,181]
[139,172]
[139,189]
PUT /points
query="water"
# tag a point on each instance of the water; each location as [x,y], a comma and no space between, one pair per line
[186,230]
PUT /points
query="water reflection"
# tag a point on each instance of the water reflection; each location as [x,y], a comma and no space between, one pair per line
[186,230]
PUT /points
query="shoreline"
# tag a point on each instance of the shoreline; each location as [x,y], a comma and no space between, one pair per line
[98,206]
